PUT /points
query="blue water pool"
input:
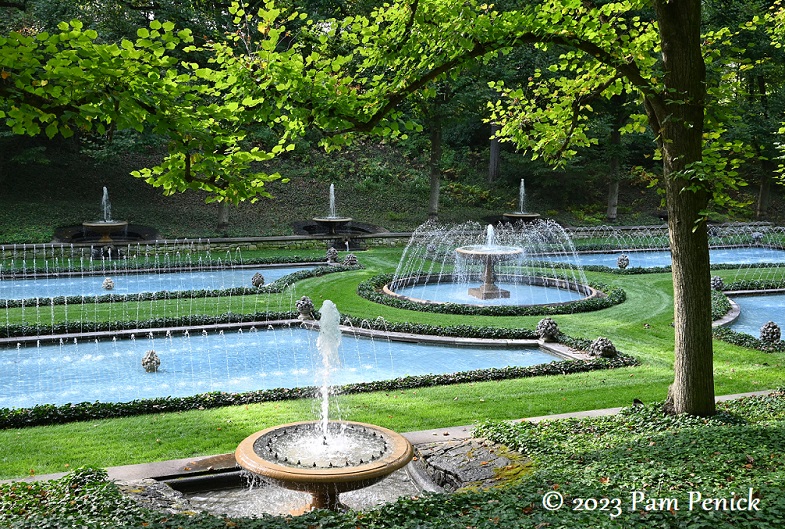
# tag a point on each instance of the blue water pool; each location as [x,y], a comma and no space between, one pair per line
[520,294]
[758,309]
[650,259]
[125,283]
[111,371]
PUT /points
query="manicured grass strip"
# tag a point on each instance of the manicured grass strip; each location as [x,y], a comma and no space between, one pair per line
[139,439]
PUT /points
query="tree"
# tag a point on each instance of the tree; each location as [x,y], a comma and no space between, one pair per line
[609,49]
[64,82]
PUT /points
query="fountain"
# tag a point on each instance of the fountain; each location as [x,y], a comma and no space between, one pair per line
[521,215]
[332,223]
[324,458]
[442,264]
[105,226]
[489,254]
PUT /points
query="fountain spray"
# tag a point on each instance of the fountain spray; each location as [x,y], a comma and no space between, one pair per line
[327,343]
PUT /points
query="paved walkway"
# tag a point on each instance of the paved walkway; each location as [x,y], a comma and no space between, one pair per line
[195,465]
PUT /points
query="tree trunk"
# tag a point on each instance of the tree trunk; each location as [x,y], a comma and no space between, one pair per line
[493,163]
[764,191]
[223,216]
[435,166]
[614,170]
[677,118]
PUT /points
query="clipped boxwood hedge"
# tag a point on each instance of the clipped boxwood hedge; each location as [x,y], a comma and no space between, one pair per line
[371,290]
[756,284]
[720,304]
[194,320]
[747,340]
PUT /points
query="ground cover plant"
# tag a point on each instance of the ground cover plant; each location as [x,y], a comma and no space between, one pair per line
[637,468]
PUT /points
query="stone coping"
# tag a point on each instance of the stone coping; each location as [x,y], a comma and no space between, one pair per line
[730,316]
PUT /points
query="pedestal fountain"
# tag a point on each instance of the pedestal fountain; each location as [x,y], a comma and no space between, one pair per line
[105,226]
[489,254]
[332,223]
[325,457]
[521,215]
[522,263]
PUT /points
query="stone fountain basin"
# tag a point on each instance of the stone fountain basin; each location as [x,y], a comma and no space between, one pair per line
[483,251]
[333,480]
[105,224]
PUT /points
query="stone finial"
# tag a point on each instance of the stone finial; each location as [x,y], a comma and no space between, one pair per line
[547,329]
[332,255]
[350,260]
[602,347]
[770,332]
[305,308]
[717,283]
[257,280]
[623,261]
[108,284]
[150,361]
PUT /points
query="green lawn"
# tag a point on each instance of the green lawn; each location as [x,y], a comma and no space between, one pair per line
[641,327]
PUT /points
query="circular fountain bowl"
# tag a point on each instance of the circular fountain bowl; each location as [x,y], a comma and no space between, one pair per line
[441,289]
[298,456]
[332,224]
[520,217]
[105,227]
[486,251]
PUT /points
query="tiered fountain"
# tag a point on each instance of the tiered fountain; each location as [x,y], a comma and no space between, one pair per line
[521,215]
[105,226]
[324,458]
[489,254]
[531,263]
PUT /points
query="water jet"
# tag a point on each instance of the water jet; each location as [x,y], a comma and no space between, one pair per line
[324,457]
[105,226]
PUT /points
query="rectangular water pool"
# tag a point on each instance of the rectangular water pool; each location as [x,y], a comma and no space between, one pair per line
[110,370]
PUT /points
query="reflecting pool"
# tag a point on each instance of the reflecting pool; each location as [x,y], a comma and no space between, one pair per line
[132,283]
[520,294]
[758,309]
[110,370]
[657,258]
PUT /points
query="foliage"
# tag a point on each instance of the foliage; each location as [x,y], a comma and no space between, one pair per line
[746,340]
[84,498]
[68,81]
[720,304]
